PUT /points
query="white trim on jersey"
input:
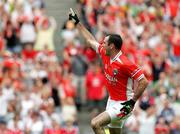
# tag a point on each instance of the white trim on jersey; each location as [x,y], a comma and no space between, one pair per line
[116,57]
[135,72]
[129,89]
[140,77]
[97,47]
[119,60]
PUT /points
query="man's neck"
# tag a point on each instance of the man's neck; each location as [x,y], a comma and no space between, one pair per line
[114,53]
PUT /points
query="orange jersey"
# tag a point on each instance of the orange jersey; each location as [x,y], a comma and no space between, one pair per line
[120,74]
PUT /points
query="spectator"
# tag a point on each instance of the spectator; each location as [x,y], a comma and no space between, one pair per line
[95,87]
[175,38]
[34,124]
[146,101]
[45,34]
[55,128]
[27,104]
[27,31]
[10,34]
[69,110]
[49,115]
[2,44]
[28,53]
[3,103]
[69,127]
[79,68]
[175,129]
[162,127]
[167,112]
[16,125]
[67,89]
[3,127]
[68,33]
[158,65]
[132,123]
[147,121]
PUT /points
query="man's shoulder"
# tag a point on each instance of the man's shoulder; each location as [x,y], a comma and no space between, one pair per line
[124,63]
[125,60]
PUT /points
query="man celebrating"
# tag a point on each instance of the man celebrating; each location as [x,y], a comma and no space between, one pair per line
[120,75]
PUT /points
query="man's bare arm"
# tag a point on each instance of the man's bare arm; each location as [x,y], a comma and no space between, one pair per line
[87,35]
[129,105]
[142,84]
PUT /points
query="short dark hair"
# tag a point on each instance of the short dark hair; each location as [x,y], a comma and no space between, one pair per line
[116,40]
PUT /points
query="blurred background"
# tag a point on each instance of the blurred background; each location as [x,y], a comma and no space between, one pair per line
[51,81]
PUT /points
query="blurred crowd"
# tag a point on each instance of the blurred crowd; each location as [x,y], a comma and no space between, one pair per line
[41,94]
[151,38]
[151,34]
[36,94]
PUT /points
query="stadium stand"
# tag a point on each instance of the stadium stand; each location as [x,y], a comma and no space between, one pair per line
[39,94]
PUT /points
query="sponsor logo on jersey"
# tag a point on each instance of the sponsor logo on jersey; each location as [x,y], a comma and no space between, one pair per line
[110,78]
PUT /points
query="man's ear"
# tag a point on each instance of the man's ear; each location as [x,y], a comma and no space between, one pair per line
[111,45]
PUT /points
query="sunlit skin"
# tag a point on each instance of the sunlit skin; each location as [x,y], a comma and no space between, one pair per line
[111,51]
[107,46]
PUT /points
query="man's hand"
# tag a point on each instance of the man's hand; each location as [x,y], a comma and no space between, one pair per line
[127,107]
[73,16]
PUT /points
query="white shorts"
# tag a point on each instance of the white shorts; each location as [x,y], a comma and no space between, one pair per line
[113,109]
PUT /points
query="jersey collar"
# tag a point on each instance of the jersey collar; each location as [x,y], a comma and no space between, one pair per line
[115,57]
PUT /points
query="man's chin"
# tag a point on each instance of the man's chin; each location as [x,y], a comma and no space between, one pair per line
[107,53]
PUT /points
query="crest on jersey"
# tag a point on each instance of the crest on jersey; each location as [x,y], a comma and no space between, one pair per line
[115,72]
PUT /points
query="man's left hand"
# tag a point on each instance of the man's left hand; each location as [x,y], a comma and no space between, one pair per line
[128,106]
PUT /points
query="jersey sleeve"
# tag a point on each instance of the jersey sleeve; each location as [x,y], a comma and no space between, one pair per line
[134,72]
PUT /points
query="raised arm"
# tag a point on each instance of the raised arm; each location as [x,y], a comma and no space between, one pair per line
[90,39]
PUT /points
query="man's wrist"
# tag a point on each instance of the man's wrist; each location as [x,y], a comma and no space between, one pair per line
[78,24]
[133,101]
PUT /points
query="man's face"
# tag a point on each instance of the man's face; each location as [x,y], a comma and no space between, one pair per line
[107,46]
